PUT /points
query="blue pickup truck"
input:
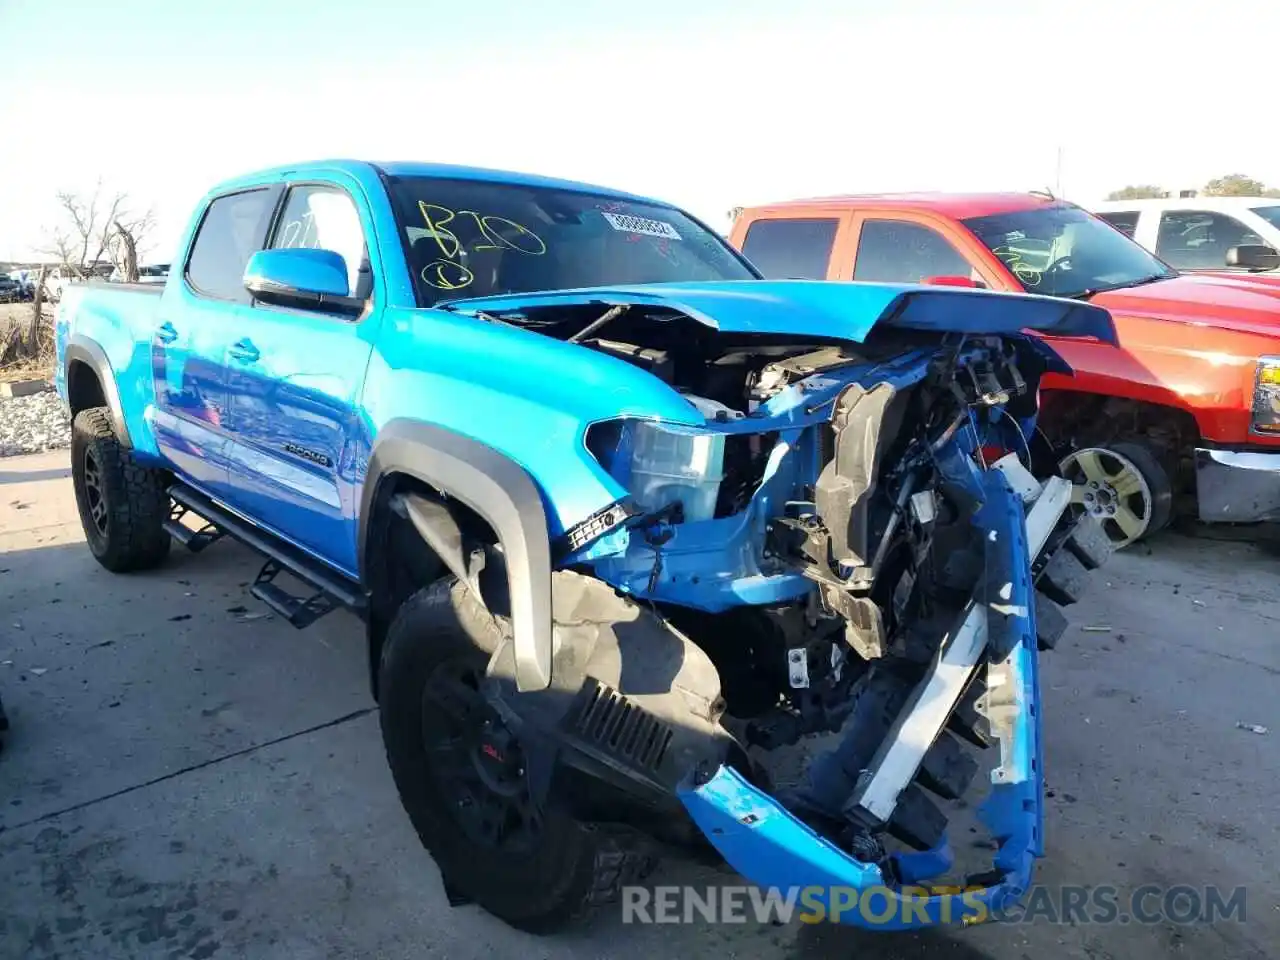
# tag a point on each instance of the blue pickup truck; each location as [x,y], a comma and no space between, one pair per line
[619,518]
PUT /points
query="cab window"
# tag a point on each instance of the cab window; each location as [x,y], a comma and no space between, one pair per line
[230,233]
[791,249]
[1126,221]
[1200,239]
[896,251]
[320,217]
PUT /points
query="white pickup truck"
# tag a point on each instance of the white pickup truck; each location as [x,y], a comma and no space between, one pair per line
[1239,234]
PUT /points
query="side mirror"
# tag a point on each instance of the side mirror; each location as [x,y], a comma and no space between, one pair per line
[956,281]
[1253,256]
[304,278]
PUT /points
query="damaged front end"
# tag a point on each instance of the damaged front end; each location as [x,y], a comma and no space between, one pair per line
[852,531]
[826,837]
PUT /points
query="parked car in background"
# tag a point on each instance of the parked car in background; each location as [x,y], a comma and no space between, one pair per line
[1185,414]
[152,273]
[1216,234]
[59,278]
[11,290]
[26,280]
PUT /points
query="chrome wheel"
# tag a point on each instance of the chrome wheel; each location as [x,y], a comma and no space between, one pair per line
[94,499]
[1110,487]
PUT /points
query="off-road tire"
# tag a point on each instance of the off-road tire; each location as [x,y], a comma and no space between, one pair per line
[572,867]
[134,496]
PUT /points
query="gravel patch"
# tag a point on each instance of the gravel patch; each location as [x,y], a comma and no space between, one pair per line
[32,424]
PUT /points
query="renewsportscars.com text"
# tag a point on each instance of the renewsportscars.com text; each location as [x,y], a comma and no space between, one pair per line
[1150,904]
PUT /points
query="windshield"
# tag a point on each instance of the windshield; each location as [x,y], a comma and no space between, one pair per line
[475,238]
[1062,251]
[1269,214]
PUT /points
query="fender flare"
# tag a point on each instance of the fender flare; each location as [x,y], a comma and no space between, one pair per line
[506,496]
[80,349]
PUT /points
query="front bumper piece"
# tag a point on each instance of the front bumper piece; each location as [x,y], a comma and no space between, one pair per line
[1237,486]
[770,847]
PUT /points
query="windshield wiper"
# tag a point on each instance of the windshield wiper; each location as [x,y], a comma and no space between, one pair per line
[1151,279]
[1086,294]
[453,306]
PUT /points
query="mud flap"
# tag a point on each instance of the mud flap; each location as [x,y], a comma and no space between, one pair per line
[770,847]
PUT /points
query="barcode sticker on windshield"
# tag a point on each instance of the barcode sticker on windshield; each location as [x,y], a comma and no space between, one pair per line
[629,224]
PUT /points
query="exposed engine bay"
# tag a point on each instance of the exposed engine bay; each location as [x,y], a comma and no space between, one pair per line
[850,532]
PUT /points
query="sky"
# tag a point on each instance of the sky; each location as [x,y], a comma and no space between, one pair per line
[706,103]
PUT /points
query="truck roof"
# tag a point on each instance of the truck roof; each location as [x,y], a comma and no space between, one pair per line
[401,168]
[960,206]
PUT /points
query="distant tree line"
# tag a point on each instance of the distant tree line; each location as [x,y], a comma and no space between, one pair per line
[1232,185]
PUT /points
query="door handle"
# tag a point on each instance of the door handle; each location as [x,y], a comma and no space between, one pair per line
[244,351]
[166,332]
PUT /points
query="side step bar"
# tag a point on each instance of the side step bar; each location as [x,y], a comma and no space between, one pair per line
[331,589]
[193,540]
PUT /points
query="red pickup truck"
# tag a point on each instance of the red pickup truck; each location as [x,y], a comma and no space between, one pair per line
[1182,419]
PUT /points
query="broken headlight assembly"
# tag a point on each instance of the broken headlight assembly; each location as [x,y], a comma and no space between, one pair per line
[1266,397]
[664,464]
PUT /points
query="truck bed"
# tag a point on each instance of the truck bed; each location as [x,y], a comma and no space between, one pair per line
[154,288]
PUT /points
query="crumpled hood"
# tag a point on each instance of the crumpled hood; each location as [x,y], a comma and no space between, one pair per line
[820,308]
[1244,303]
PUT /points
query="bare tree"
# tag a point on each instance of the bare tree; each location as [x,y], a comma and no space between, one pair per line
[96,227]
[91,229]
[126,256]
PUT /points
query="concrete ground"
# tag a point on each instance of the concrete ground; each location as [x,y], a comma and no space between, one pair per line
[187,778]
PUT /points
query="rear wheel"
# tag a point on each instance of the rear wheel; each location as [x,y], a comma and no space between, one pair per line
[464,782]
[1124,487]
[122,503]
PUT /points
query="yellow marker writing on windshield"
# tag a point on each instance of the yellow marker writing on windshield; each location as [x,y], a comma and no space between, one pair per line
[447,275]
[497,233]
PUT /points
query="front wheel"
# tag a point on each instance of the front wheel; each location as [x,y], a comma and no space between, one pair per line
[122,504]
[463,779]
[1124,487]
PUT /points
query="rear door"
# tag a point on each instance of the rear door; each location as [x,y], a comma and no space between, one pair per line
[800,245]
[294,378]
[189,344]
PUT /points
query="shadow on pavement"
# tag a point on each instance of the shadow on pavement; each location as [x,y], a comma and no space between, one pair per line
[35,476]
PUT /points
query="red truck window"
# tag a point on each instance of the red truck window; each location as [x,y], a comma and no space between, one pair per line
[791,249]
[895,251]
